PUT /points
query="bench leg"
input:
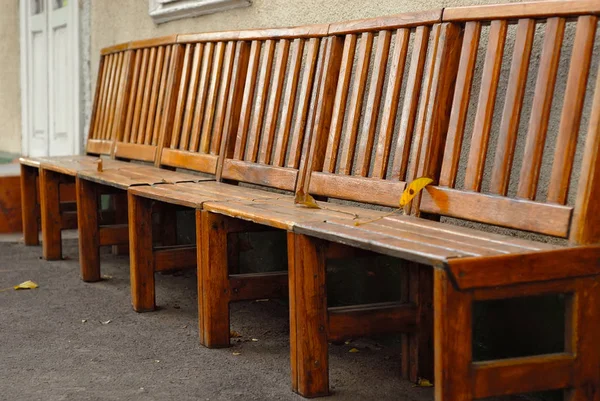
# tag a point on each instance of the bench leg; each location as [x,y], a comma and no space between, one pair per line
[214,291]
[141,256]
[29,206]
[89,238]
[50,214]
[417,349]
[453,340]
[308,316]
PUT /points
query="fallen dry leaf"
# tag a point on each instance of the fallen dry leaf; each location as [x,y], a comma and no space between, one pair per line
[237,353]
[234,334]
[106,322]
[413,189]
[354,350]
[26,285]
[424,383]
[305,200]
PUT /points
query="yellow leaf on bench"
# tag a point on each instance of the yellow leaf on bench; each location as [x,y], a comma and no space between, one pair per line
[413,189]
[305,200]
[26,285]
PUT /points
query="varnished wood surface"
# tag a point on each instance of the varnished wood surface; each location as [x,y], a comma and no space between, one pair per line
[281,212]
[532,9]
[132,175]
[404,20]
[418,240]
[194,195]
[70,165]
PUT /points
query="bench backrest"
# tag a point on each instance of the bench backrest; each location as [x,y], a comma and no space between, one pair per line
[109,96]
[366,150]
[153,67]
[500,136]
[196,114]
[272,102]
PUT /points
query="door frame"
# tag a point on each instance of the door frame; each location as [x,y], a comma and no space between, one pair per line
[75,70]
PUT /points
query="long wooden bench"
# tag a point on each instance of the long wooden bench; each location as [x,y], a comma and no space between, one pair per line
[469,264]
[222,208]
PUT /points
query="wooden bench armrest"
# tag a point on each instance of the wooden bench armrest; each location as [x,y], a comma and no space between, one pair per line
[502,270]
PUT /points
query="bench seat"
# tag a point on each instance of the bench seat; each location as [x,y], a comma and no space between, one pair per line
[130,175]
[473,258]
[194,195]
[282,213]
[69,165]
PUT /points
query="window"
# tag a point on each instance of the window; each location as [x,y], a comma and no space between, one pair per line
[168,10]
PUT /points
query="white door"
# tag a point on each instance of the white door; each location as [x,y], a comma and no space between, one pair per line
[51,110]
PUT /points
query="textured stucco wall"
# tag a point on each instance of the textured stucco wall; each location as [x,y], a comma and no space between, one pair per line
[112,23]
[10,89]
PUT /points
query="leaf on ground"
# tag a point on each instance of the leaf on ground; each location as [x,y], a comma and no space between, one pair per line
[354,350]
[234,334]
[424,383]
[106,322]
[413,189]
[237,353]
[255,340]
[26,285]
[306,200]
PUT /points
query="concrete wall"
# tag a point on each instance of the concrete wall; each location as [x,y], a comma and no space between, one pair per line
[10,88]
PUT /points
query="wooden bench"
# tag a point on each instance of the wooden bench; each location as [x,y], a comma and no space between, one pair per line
[249,158]
[469,264]
[114,62]
[261,128]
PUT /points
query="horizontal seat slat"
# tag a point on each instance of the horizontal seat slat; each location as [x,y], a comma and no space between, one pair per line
[520,214]
[99,146]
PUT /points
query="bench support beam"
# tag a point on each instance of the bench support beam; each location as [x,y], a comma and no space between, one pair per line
[50,214]
[29,205]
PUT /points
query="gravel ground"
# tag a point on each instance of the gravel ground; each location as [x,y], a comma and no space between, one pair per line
[68,340]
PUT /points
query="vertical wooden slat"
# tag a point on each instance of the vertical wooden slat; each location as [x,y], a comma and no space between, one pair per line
[365,146]
[541,105]
[202,91]
[390,105]
[150,70]
[175,67]
[158,66]
[289,100]
[139,98]
[411,102]
[570,119]
[460,104]
[131,106]
[122,92]
[297,136]
[181,97]
[339,105]
[222,96]
[160,102]
[112,104]
[211,100]
[96,108]
[192,91]
[328,72]
[248,99]
[266,145]
[486,103]
[513,102]
[356,100]
[585,226]
[234,104]
[258,110]
[107,93]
